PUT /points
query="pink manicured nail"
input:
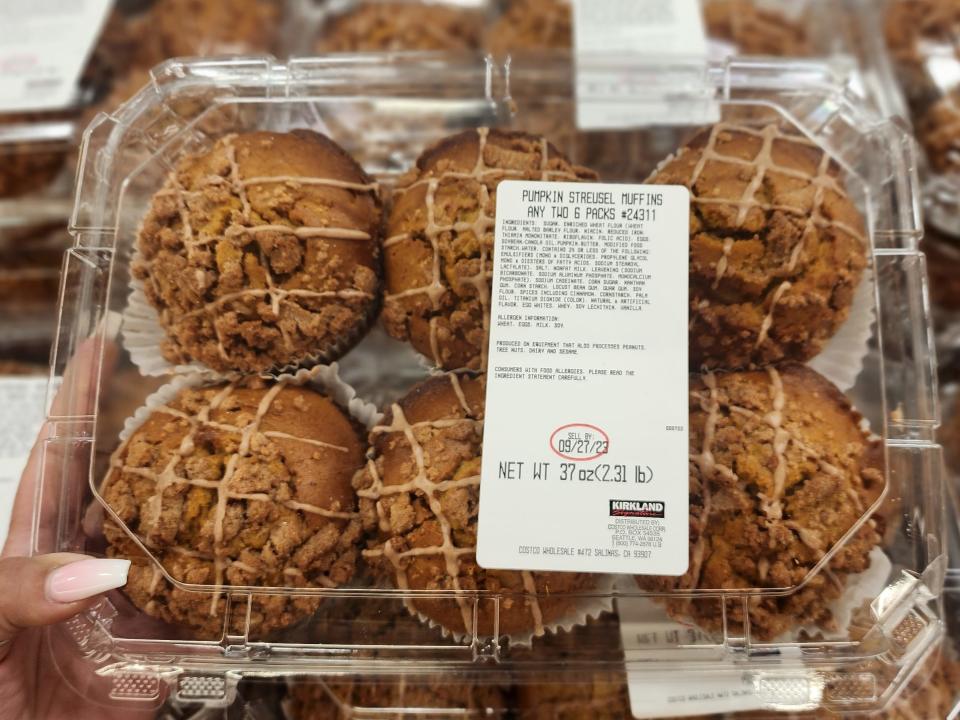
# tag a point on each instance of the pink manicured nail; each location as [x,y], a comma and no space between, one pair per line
[85,578]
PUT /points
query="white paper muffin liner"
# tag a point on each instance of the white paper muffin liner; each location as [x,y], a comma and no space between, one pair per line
[841,360]
[143,337]
[858,588]
[322,377]
[589,608]
[382,369]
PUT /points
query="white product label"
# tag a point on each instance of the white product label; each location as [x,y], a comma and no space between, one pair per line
[625,78]
[44,45]
[21,415]
[585,433]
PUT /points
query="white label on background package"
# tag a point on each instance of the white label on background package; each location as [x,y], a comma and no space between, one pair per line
[44,45]
[647,632]
[585,432]
[646,629]
[624,75]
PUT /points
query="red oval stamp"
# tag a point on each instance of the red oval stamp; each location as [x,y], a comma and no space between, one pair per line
[579,442]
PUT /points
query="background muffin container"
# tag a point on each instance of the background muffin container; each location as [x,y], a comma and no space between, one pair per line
[930,77]
[35,185]
[410,101]
[843,33]
[29,291]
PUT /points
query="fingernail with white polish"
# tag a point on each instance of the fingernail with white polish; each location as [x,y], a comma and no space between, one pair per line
[86,578]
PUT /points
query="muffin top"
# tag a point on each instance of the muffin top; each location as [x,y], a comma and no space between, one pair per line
[777,247]
[419,500]
[755,30]
[262,252]
[532,25]
[397,26]
[241,484]
[439,247]
[348,698]
[780,472]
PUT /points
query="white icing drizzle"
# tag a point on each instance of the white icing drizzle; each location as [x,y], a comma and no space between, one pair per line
[292,180]
[772,506]
[767,322]
[154,580]
[461,398]
[275,293]
[722,262]
[430,491]
[708,465]
[168,476]
[809,537]
[763,568]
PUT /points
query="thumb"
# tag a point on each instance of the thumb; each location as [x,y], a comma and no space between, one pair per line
[47,589]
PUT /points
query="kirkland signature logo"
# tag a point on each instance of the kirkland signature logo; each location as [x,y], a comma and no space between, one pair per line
[636,508]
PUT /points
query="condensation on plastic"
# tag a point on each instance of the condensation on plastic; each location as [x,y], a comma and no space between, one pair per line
[406,102]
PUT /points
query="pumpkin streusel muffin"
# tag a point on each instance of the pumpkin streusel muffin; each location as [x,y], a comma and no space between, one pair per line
[262,252]
[755,30]
[780,472]
[532,25]
[438,254]
[245,483]
[777,247]
[419,497]
[398,26]
[400,698]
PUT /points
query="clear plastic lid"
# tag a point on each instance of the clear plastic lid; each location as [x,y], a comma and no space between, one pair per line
[863,604]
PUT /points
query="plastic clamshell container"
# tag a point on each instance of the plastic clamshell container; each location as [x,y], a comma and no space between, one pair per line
[385,111]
